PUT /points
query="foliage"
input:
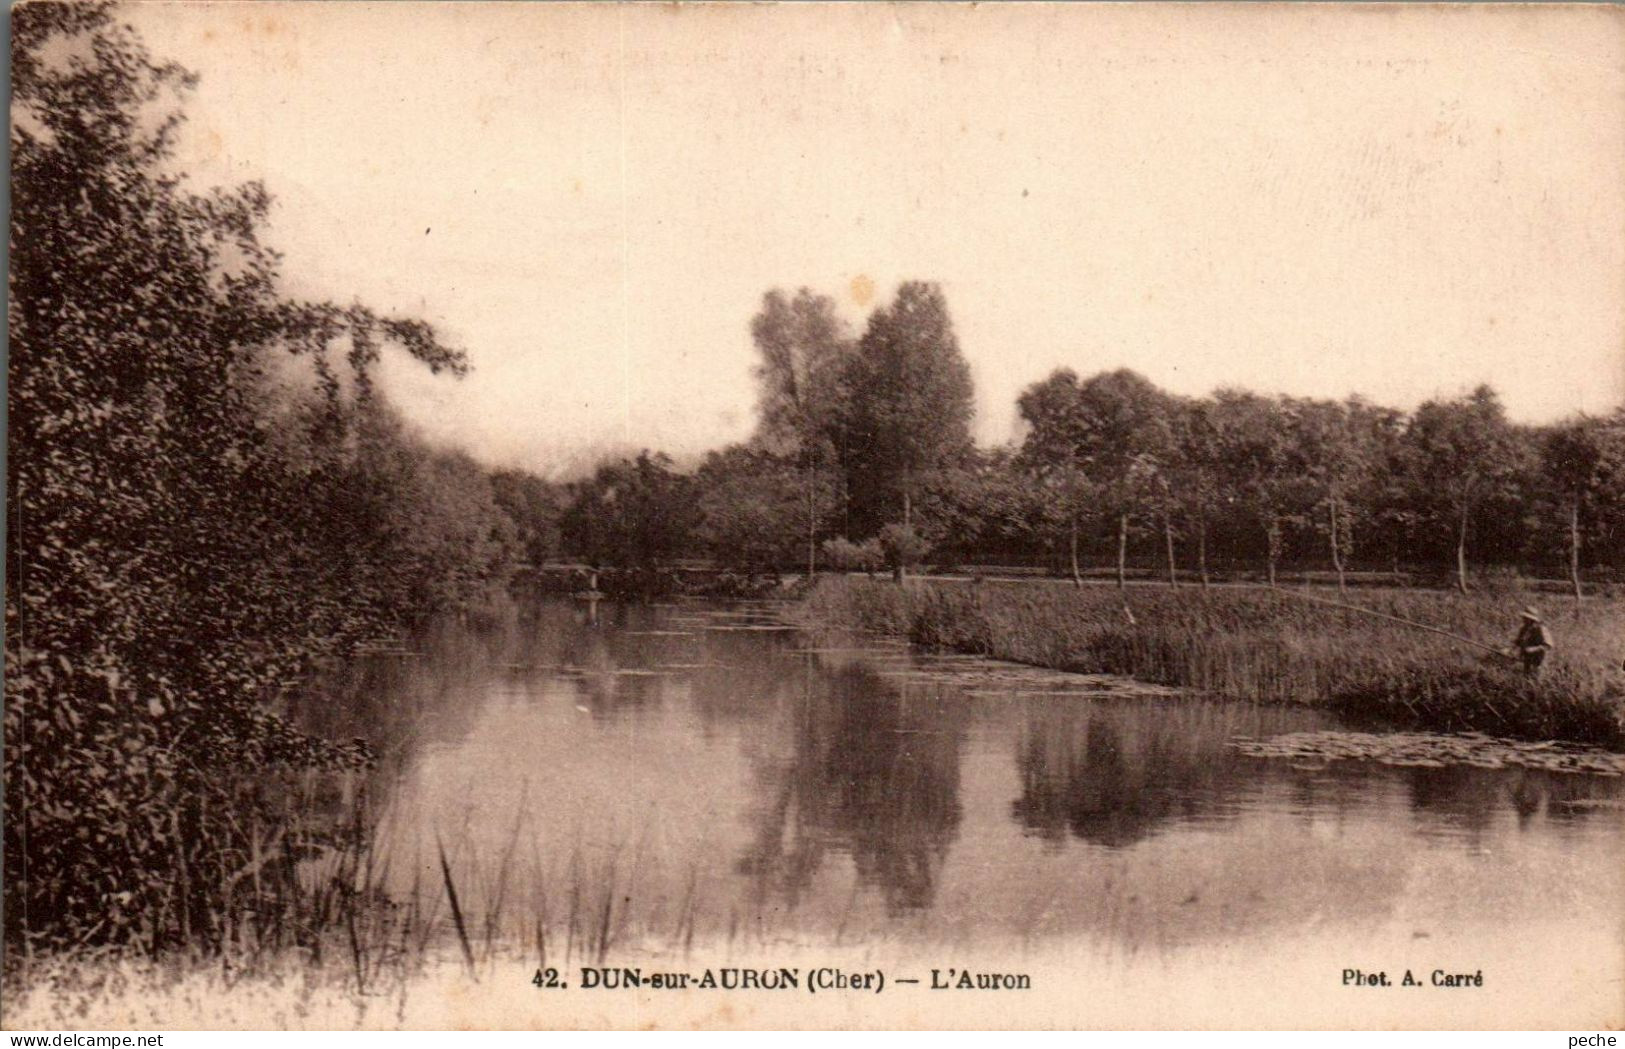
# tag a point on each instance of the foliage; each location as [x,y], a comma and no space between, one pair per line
[847,556]
[982,502]
[805,355]
[1582,465]
[1111,468]
[909,402]
[532,504]
[902,547]
[631,514]
[753,508]
[207,499]
[804,352]
[1055,453]
[1335,454]
[1253,446]
[1108,442]
[1463,458]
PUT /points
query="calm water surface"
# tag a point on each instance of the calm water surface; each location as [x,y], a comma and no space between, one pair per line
[696,770]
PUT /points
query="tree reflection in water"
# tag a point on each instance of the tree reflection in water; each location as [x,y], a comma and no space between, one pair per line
[1464,800]
[769,764]
[1113,782]
[873,773]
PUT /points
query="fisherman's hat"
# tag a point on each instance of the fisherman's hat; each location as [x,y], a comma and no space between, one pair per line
[1530,613]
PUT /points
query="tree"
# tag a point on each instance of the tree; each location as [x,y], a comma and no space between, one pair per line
[1169,475]
[804,351]
[1127,443]
[909,407]
[1251,440]
[532,504]
[1391,499]
[1608,529]
[631,514]
[1462,457]
[455,540]
[1056,453]
[902,547]
[847,556]
[752,506]
[982,503]
[193,523]
[1198,467]
[1335,448]
[1109,442]
[1583,463]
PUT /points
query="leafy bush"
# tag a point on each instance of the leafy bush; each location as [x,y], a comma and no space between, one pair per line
[903,547]
[847,556]
[207,502]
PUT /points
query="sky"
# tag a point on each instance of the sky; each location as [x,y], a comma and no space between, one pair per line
[591,200]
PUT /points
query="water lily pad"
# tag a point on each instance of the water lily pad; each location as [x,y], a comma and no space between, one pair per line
[1427,750]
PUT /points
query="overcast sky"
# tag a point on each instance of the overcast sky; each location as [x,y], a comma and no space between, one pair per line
[592,200]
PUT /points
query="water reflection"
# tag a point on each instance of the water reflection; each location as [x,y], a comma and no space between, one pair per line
[1465,800]
[1115,777]
[1087,778]
[737,775]
[873,773]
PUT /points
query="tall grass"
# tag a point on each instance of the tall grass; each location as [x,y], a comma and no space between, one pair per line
[1276,646]
[343,905]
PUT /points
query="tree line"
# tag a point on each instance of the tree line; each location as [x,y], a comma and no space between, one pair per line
[862,458]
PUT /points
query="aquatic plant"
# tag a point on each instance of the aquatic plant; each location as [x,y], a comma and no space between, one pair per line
[1274,645]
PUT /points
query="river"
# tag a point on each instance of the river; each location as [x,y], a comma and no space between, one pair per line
[620,780]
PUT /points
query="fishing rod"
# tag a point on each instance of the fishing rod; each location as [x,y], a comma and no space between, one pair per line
[1384,615]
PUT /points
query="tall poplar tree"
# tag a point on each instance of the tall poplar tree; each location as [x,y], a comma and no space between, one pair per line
[910,400]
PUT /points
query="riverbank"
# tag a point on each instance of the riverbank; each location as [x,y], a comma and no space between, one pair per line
[692,579]
[1274,646]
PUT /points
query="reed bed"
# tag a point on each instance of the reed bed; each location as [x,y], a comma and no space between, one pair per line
[1278,646]
[345,911]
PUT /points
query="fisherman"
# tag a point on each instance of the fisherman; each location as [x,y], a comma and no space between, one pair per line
[1533,642]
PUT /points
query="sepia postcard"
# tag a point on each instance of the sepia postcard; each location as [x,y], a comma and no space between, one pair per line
[815,516]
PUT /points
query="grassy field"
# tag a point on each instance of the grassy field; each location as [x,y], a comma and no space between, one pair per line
[1277,646]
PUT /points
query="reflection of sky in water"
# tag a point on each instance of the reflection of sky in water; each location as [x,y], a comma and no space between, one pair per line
[834,792]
